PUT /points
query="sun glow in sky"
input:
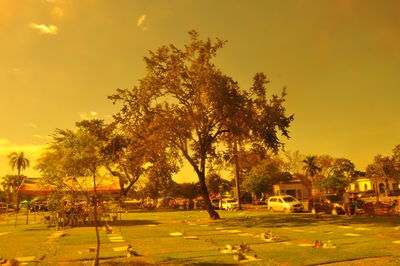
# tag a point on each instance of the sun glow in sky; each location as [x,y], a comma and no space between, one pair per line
[340,61]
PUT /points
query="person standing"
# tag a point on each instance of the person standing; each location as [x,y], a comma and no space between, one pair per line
[347,203]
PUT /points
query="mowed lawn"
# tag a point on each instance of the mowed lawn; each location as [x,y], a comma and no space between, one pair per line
[199,241]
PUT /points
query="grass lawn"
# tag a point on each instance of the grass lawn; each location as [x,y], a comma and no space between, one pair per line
[359,240]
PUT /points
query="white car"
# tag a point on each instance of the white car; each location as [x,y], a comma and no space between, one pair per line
[228,204]
[285,204]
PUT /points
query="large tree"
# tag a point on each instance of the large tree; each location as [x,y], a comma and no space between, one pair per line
[189,104]
[339,175]
[396,159]
[293,163]
[133,154]
[267,173]
[381,170]
[216,184]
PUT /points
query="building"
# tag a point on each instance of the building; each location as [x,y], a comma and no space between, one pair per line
[364,184]
[294,188]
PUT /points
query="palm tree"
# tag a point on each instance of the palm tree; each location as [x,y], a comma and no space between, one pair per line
[10,184]
[311,169]
[19,162]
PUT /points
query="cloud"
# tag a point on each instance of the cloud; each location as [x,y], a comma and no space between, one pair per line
[42,137]
[7,147]
[57,12]
[50,29]
[32,125]
[88,115]
[141,20]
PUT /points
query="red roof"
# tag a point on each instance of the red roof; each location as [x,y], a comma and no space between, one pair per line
[34,187]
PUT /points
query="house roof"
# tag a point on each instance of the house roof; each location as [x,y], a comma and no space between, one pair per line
[35,186]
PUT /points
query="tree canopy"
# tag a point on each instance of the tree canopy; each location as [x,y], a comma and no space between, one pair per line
[188,104]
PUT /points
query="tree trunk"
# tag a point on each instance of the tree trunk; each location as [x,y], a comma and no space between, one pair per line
[314,188]
[27,213]
[17,208]
[387,188]
[377,190]
[204,192]
[237,176]
[96,261]
[18,198]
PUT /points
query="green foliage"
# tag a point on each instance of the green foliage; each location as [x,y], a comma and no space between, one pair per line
[264,176]
[187,190]
[382,167]
[217,184]
[335,174]
[396,158]
[158,186]
[335,183]
[310,166]
[11,183]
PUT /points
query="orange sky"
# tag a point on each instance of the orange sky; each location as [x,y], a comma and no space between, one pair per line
[60,59]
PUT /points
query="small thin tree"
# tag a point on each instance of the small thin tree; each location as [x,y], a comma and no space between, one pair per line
[20,162]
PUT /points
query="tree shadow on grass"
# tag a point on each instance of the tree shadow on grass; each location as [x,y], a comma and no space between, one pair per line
[134,222]
[160,210]
[36,229]
[388,221]
[300,220]
[189,261]
[122,223]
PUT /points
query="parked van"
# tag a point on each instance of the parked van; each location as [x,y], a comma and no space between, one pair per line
[284,203]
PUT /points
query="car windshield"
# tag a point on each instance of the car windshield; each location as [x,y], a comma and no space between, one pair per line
[334,198]
[289,199]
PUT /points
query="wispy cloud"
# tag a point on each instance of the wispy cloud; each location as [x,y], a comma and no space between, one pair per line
[41,137]
[32,125]
[57,12]
[88,115]
[50,29]
[141,20]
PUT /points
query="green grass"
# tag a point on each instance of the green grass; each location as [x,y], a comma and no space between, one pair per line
[156,246]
